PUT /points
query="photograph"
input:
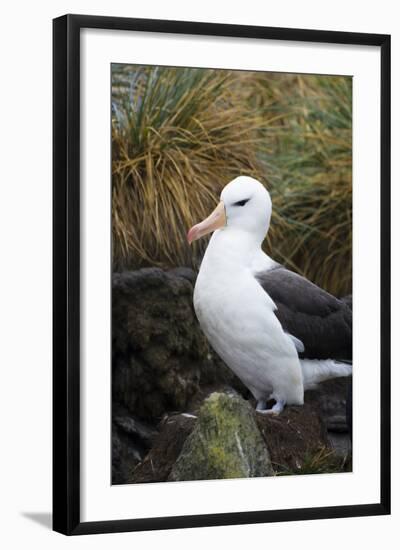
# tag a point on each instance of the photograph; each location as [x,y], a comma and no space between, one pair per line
[200,265]
[231,276]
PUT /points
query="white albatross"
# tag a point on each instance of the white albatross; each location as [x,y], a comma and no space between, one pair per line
[258,316]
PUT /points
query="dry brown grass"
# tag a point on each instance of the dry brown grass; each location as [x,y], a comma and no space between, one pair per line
[179,135]
[308,158]
[173,152]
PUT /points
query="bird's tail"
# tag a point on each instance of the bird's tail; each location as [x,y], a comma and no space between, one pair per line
[319,370]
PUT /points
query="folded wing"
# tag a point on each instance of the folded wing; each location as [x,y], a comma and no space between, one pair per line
[321,322]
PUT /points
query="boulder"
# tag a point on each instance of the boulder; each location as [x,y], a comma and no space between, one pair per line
[159,353]
[348,300]
[333,399]
[225,443]
[131,441]
[157,465]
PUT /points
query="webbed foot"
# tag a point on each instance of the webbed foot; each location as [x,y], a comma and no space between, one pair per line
[275,410]
[261,405]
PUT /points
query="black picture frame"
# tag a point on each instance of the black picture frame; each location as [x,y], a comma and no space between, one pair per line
[66,273]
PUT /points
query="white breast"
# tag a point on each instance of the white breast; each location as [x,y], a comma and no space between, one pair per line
[238,318]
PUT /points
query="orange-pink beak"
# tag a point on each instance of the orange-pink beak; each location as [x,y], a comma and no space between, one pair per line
[215,220]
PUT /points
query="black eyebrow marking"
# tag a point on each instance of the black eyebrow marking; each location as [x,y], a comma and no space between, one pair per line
[241,203]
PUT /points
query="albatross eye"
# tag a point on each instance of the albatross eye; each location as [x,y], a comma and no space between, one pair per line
[241,203]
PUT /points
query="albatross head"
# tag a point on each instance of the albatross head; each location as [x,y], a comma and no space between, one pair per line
[245,205]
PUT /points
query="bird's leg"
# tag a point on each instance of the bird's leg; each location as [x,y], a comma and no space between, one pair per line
[261,405]
[276,409]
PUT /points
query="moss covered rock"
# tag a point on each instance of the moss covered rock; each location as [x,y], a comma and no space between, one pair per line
[225,443]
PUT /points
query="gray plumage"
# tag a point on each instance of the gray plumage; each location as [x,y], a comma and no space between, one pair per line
[320,321]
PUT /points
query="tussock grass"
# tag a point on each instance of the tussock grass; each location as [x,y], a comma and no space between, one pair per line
[324,461]
[179,135]
[308,161]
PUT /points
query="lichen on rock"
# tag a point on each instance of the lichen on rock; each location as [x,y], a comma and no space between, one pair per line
[225,443]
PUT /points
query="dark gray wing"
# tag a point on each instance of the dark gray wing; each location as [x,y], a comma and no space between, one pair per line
[320,321]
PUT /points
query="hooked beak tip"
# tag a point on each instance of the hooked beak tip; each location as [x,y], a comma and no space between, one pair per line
[191,236]
[215,220]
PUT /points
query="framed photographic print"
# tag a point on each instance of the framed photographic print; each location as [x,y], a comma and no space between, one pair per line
[221,274]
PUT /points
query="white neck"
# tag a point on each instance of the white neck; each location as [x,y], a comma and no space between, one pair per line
[231,248]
